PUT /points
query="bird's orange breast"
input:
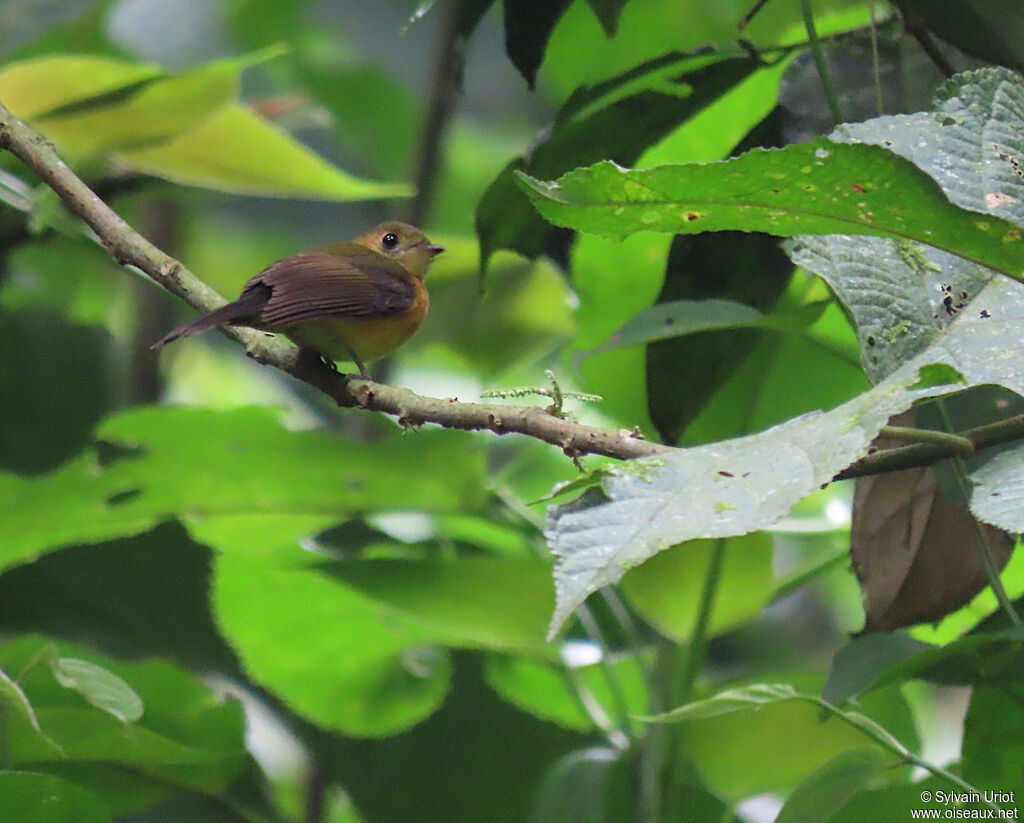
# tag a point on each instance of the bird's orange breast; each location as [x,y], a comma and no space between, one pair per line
[370,337]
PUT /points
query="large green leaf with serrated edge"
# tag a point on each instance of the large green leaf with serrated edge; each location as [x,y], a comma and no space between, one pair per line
[178,462]
[617,120]
[820,187]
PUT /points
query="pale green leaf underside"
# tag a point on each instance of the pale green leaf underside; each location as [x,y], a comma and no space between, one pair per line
[741,485]
[972,145]
[737,486]
[102,688]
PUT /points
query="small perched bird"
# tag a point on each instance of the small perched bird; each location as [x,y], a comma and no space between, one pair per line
[347,301]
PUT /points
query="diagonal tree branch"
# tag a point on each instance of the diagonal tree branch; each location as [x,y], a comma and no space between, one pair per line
[130,248]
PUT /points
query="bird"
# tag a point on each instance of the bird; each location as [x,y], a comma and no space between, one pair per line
[353,301]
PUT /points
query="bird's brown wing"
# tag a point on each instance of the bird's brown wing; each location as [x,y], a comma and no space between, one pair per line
[324,284]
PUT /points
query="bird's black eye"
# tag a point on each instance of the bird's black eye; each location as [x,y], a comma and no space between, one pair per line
[389,240]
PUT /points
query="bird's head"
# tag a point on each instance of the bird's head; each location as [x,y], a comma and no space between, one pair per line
[403,243]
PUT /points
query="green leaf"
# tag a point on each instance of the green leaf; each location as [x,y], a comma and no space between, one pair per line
[824,792]
[755,722]
[720,490]
[31,88]
[190,740]
[360,668]
[993,741]
[103,689]
[52,419]
[679,318]
[732,700]
[176,462]
[12,698]
[528,25]
[592,785]
[874,661]
[992,30]
[150,111]
[608,12]
[538,687]
[236,150]
[896,291]
[819,187]
[31,797]
[857,666]
[545,689]
[666,590]
[457,599]
[617,120]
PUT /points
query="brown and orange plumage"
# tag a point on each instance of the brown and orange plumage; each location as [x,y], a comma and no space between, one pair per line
[357,300]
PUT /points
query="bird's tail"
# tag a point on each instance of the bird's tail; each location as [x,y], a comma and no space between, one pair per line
[242,311]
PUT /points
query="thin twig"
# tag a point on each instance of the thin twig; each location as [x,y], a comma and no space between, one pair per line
[981,538]
[876,68]
[919,455]
[917,30]
[444,90]
[819,61]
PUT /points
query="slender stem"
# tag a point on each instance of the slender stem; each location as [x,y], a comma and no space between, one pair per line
[868,727]
[806,575]
[819,61]
[317,783]
[5,749]
[760,4]
[444,90]
[618,609]
[696,649]
[876,70]
[925,454]
[995,582]
[916,30]
[588,704]
[611,674]
[687,664]
[957,444]
[578,689]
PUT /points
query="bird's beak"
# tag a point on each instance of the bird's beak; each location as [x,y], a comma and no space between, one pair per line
[435,250]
